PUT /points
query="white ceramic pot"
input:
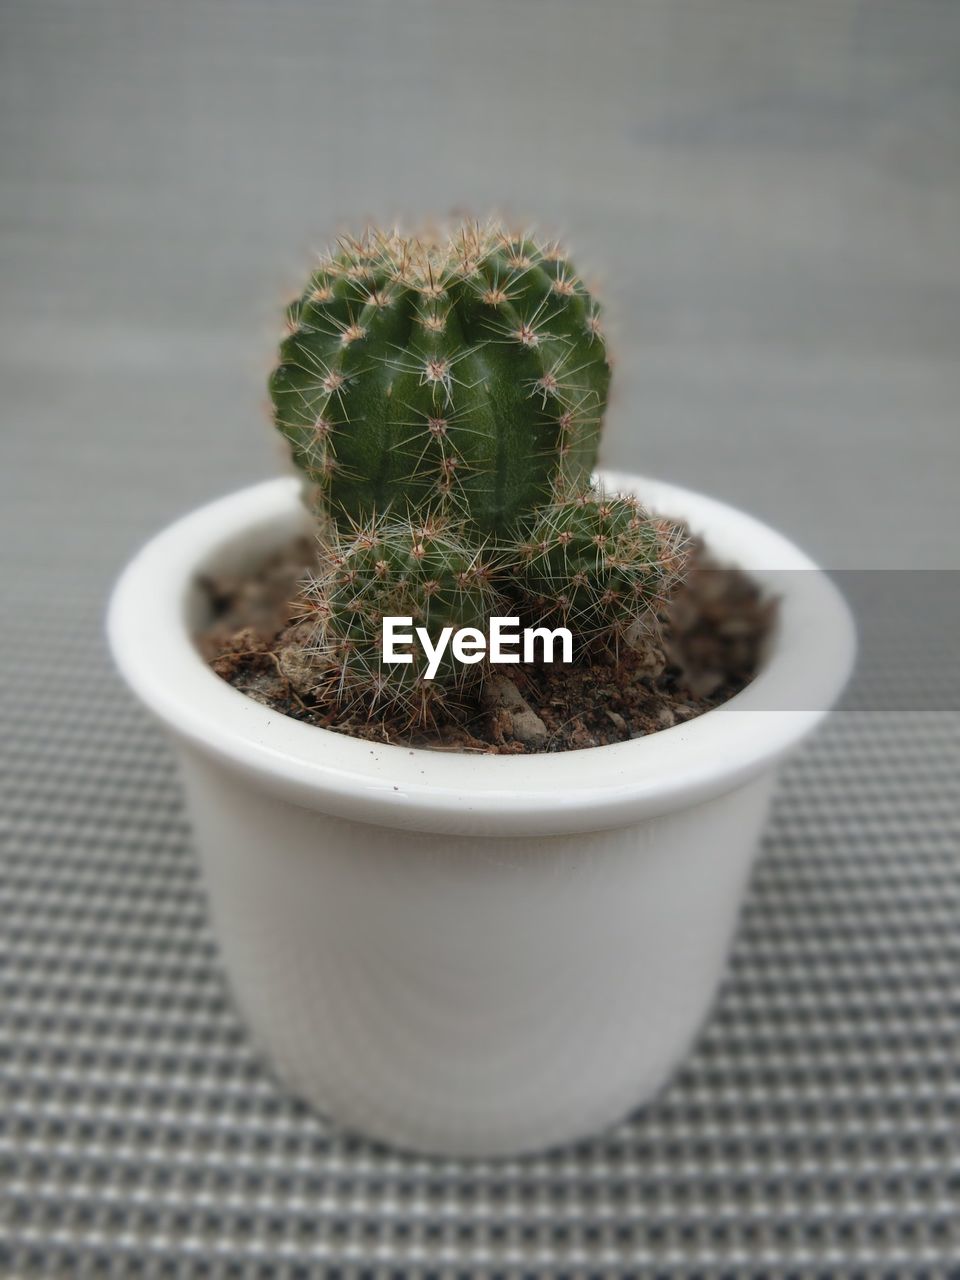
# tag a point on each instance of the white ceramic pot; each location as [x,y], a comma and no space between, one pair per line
[462,954]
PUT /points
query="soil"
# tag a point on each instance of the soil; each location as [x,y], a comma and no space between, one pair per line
[708,645]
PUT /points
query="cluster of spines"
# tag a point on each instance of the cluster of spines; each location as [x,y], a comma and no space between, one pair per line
[424,569]
[468,371]
[600,564]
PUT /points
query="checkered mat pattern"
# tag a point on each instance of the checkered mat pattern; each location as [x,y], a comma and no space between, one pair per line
[811,1133]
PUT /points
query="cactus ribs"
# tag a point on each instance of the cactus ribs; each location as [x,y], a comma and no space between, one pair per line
[442,398]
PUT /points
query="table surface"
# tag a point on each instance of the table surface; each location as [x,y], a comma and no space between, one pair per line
[771,195]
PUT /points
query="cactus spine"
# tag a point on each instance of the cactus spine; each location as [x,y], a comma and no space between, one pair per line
[425,570]
[599,564]
[466,374]
[443,399]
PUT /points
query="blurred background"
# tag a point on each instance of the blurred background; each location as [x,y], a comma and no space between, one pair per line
[768,196]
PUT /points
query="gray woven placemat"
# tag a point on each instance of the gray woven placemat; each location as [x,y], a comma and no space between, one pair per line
[812,1132]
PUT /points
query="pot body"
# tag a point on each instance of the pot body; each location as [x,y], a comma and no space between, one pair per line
[463,995]
[458,954]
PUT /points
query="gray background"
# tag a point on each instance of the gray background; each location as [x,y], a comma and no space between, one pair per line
[769,196]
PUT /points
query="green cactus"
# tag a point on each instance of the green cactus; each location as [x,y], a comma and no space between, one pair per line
[443,399]
[600,564]
[425,570]
[466,375]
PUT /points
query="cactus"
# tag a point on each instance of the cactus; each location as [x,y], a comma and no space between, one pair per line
[443,399]
[465,374]
[428,571]
[599,564]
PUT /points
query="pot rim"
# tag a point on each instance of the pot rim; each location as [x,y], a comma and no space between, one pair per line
[810,659]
